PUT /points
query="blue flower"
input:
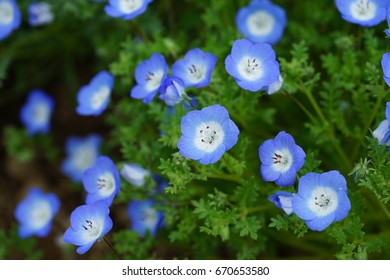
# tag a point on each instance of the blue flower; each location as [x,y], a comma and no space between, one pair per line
[366,13]
[321,199]
[134,174]
[144,216]
[10,17]
[36,212]
[386,67]
[172,91]
[262,22]
[82,153]
[282,200]
[39,14]
[94,97]
[281,159]
[207,134]
[88,223]
[149,75]
[161,183]
[253,66]
[36,112]
[126,9]
[101,181]
[195,68]
[382,132]
[275,86]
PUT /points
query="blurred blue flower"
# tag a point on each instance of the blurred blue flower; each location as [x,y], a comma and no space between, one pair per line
[195,68]
[39,14]
[101,181]
[94,97]
[282,200]
[134,174]
[253,66]
[207,134]
[10,17]
[262,22]
[36,112]
[321,199]
[382,132]
[161,183]
[88,223]
[366,13]
[172,91]
[385,62]
[81,153]
[36,212]
[126,9]
[281,159]
[144,216]
[149,75]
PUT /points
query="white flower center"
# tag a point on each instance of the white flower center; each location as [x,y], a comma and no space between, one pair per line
[209,136]
[6,13]
[323,201]
[250,68]
[41,113]
[153,80]
[84,157]
[363,9]
[93,229]
[149,217]
[99,97]
[106,184]
[282,160]
[260,23]
[196,73]
[129,6]
[40,214]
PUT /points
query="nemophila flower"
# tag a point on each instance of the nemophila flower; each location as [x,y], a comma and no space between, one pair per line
[321,199]
[386,67]
[126,9]
[36,212]
[94,97]
[262,22]
[172,91]
[101,181]
[253,66]
[144,216]
[39,14]
[282,200]
[366,13]
[88,223]
[134,174]
[36,112]
[275,86]
[207,134]
[382,132]
[195,68]
[149,75]
[281,159]
[10,17]
[82,153]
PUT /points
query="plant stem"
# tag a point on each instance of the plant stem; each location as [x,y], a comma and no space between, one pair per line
[111,248]
[384,208]
[227,177]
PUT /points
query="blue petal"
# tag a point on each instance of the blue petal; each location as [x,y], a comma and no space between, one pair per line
[231,133]
[213,157]
[188,149]
[343,207]
[140,92]
[83,249]
[286,178]
[267,151]
[382,132]
[216,113]
[321,223]
[268,173]
[301,208]
[112,11]
[307,184]
[334,180]
[385,62]
[190,122]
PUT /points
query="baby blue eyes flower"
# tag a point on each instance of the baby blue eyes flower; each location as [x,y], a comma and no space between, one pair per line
[144,216]
[10,17]
[39,14]
[275,86]
[262,22]
[253,66]
[134,174]
[282,200]
[321,199]
[36,212]
[149,75]
[281,159]
[82,153]
[36,112]
[172,91]
[366,13]
[207,134]
[126,9]
[386,67]
[382,132]
[94,97]
[101,181]
[88,223]
[195,68]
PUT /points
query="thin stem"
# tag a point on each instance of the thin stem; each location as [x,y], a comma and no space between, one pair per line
[227,177]
[111,248]
[304,109]
[384,208]
[313,102]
